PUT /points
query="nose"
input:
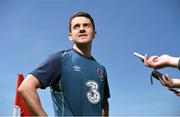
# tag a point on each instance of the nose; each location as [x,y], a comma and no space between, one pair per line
[81,27]
[81,30]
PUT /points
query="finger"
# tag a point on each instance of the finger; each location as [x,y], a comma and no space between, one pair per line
[146,60]
[152,61]
[178,94]
[167,76]
[161,81]
[166,80]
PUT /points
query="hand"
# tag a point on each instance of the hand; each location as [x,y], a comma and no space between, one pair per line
[178,94]
[157,62]
[149,60]
[167,81]
[162,61]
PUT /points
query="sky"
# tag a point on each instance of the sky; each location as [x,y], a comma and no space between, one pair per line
[30,30]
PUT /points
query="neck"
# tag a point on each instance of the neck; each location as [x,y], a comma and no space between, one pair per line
[82,49]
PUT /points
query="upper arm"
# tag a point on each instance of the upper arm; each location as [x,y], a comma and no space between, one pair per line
[31,82]
[106,87]
[48,72]
[105,109]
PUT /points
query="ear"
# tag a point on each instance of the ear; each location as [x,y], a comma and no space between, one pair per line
[94,34]
[70,37]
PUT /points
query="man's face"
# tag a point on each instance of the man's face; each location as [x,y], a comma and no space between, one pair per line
[81,31]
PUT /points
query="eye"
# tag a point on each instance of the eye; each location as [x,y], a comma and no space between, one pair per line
[87,25]
[76,26]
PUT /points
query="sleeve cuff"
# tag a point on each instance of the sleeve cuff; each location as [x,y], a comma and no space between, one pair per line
[178,66]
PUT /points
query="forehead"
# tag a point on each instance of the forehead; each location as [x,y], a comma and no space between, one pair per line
[80,20]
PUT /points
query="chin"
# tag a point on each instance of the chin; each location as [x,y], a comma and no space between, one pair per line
[83,42]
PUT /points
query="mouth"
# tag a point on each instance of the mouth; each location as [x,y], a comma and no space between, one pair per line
[83,35]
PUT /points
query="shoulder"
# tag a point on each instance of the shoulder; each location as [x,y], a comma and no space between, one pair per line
[53,60]
[99,64]
[103,68]
[57,55]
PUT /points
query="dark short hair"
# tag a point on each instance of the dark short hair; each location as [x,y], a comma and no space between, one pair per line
[81,14]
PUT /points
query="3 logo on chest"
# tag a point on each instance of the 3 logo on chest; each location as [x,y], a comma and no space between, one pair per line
[93,93]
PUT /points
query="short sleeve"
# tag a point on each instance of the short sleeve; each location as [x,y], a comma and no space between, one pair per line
[48,72]
[106,88]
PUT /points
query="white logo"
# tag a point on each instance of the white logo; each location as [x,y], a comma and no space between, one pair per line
[76,68]
[93,94]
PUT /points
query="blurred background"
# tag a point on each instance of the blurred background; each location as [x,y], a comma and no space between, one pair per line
[30,30]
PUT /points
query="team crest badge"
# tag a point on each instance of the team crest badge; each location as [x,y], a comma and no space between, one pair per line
[100,73]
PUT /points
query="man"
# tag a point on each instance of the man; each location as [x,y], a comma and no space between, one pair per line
[162,61]
[78,83]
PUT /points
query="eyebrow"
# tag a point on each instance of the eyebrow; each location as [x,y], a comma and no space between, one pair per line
[78,24]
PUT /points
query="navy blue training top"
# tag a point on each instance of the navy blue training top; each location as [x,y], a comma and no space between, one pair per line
[78,84]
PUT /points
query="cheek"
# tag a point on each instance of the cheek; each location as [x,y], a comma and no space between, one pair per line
[92,34]
[73,34]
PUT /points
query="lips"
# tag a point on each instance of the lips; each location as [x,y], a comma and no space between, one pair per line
[82,35]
